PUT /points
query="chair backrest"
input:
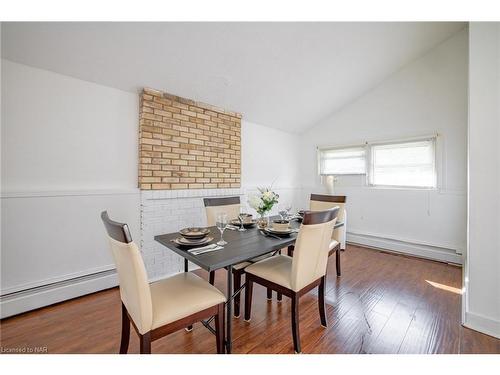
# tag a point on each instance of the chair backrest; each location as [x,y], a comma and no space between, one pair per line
[229,205]
[310,255]
[134,287]
[321,202]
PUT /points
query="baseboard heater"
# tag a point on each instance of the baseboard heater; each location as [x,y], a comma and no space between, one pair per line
[419,250]
[33,298]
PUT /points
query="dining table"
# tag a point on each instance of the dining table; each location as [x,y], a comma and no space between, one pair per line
[241,246]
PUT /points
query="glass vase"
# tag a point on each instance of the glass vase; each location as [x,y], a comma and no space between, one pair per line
[263,221]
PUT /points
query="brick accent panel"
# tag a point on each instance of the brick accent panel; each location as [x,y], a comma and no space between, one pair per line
[185,144]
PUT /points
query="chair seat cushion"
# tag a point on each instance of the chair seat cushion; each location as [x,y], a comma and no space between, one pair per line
[333,245]
[182,295]
[277,269]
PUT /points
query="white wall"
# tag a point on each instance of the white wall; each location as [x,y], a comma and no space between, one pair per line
[270,157]
[61,133]
[69,151]
[427,96]
[482,271]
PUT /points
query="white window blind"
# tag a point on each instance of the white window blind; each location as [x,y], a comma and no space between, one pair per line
[404,164]
[350,160]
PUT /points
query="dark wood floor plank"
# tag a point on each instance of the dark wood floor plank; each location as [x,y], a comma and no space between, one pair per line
[472,342]
[383,303]
[434,328]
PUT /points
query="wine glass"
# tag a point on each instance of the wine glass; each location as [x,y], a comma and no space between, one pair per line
[221,223]
[241,216]
[282,211]
[288,208]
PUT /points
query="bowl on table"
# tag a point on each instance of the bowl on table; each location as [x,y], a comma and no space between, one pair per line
[279,233]
[247,218]
[194,233]
[248,221]
[281,225]
[300,215]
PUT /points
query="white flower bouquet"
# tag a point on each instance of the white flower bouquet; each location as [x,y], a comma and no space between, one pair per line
[264,201]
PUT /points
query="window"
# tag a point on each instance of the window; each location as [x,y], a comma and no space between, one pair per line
[350,160]
[405,164]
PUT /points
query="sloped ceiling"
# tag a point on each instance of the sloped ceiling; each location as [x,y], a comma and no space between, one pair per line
[284,75]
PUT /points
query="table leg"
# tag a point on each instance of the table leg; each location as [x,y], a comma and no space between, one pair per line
[229,312]
[186,269]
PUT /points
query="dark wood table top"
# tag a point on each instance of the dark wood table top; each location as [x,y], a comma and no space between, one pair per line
[241,246]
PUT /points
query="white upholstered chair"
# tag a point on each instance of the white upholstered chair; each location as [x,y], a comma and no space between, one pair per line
[230,206]
[165,306]
[321,202]
[297,275]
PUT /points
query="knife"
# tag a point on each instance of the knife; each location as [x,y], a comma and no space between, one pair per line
[207,250]
[202,248]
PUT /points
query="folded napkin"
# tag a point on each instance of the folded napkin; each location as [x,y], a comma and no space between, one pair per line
[204,249]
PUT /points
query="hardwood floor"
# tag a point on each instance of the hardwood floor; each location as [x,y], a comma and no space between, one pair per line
[382,303]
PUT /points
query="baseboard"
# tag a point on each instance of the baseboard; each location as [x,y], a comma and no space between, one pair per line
[34,298]
[482,324]
[56,280]
[417,249]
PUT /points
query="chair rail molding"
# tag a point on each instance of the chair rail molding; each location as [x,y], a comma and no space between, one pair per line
[66,193]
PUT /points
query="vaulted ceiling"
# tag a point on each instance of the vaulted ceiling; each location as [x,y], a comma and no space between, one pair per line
[284,75]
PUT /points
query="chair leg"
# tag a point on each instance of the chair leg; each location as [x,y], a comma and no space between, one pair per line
[125,331]
[295,324]
[145,343]
[237,298]
[280,296]
[211,280]
[321,301]
[219,329]
[248,297]
[337,262]
[269,293]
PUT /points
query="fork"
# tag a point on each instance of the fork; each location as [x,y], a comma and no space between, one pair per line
[269,235]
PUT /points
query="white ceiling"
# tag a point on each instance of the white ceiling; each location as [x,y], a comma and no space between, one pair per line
[284,75]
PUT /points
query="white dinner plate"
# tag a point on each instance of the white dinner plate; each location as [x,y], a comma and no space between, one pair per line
[187,242]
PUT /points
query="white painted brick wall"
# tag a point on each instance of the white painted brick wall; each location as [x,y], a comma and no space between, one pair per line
[166,211]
